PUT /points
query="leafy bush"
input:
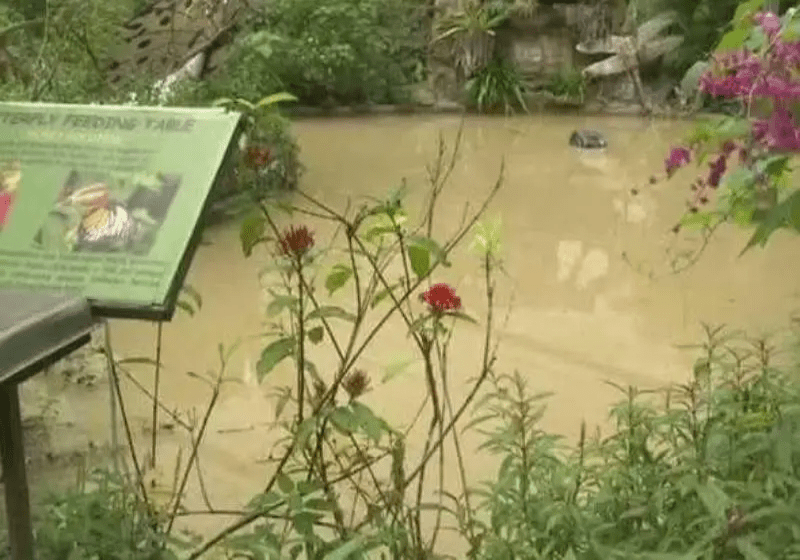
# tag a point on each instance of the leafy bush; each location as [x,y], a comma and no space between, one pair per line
[343,51]
[267,159]
[102,518]
[713,472]
[63,62]
[499,84]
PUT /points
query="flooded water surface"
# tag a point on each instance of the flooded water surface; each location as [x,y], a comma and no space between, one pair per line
[576,309]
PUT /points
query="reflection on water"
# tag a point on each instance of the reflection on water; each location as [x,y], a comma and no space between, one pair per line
[577,314]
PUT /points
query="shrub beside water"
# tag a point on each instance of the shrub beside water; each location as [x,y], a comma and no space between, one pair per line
[708,469]
[338,51]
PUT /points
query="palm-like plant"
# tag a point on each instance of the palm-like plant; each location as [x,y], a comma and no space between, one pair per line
[472,26]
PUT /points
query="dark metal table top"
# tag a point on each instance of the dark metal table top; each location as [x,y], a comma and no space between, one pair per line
[36,327]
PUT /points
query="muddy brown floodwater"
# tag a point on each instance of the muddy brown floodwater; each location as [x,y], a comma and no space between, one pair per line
[578,313]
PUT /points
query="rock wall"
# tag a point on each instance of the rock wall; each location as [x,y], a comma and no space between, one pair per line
[540,42]
[540,45]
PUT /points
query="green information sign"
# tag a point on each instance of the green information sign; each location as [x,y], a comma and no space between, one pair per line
[104,201]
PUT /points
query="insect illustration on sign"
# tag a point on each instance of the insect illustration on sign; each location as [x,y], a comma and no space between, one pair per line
[10,177]
[104,222]
[108,212]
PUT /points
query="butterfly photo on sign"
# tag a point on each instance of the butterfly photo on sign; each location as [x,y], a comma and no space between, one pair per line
[108,213]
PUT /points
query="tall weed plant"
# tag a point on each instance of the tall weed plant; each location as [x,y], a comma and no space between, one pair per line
[708,469]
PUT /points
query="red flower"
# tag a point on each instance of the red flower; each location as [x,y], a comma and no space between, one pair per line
[296,241]
[441,297]
[257,156]
[6,202]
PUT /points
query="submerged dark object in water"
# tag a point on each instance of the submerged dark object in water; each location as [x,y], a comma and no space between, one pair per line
[587,139]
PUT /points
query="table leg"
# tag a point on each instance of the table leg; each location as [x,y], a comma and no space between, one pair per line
[15,482]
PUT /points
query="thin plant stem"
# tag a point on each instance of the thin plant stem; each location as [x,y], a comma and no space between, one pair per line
[112,397]
[156,388]
[301,335]
[196,445]
[127,426]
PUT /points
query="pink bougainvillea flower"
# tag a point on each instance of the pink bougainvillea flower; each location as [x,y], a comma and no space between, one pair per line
[717,170]
[769,22]
[678,157]
[442,297]
[728,147]
[778,132]
[6,202]
[296,241]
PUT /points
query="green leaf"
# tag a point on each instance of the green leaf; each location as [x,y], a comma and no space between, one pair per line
[433,248]
[274,99]
[749,550]
[251,233]
[793,210]
[305,431]
[285,483]
[714,499]
[186,306]
[331,311]
[279,303]
[787,212]
[347,549]
[263,501]
[487,237]
[344,420]
[393,370]
[733,39]
[319,504]
[304,522]
[756,40]
[462,316]
[315,335]
[697,219]
[742,18]
[373,426]
[194,294]
[420,260]
[774,165]
[740,180]
[273,354]
[337,278]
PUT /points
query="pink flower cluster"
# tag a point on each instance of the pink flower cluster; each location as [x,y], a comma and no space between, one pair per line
[779,132]
[744,74]
[774,75]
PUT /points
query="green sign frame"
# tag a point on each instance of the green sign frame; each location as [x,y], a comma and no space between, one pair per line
[106,202]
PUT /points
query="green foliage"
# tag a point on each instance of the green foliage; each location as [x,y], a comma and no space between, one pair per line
[63,62]
[265,130]
[567,83]
[703,23]
[498,85]
[757,192]
[331,439]
[101,519]
[711,472]
[345,51]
